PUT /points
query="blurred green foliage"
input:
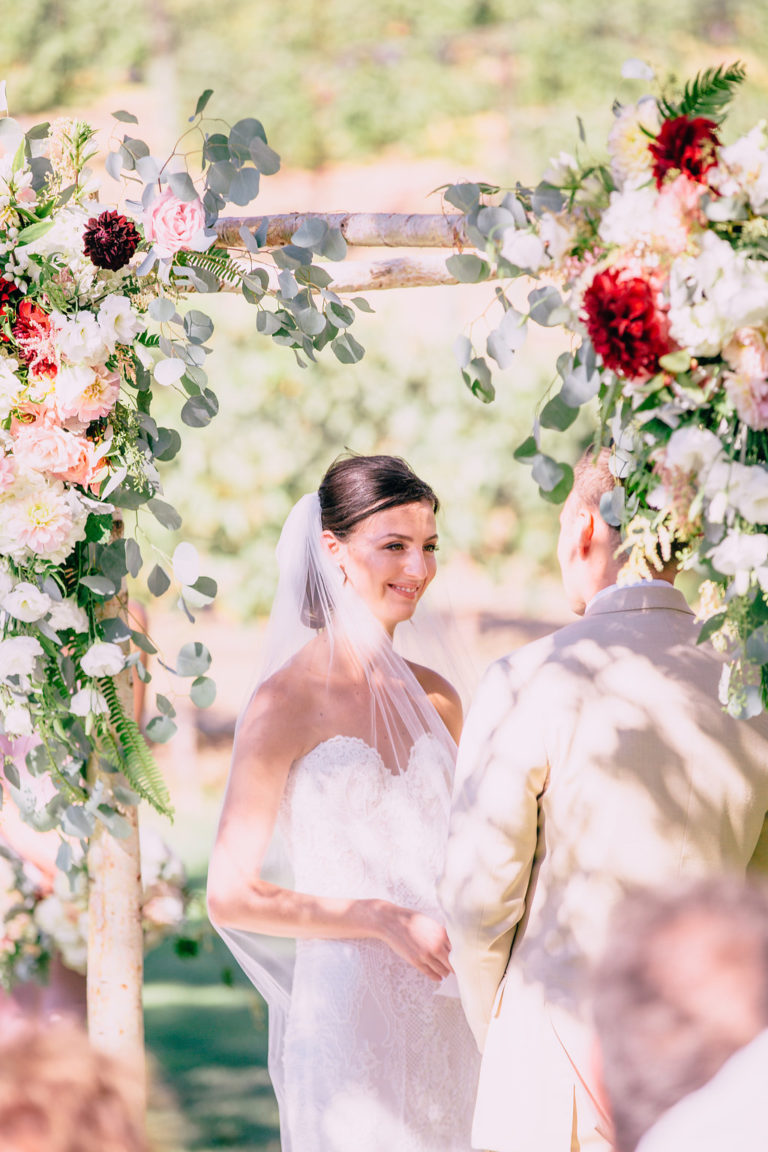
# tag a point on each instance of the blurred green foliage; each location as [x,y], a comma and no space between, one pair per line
[340,80]
[279,427]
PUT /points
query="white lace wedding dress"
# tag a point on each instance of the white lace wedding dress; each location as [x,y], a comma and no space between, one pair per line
[375,1058]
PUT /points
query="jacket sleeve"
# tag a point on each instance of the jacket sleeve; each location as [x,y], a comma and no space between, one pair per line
[500,775]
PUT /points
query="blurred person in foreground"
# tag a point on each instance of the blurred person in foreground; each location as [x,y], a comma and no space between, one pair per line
[594,760]
[59,1094]
[681,1012]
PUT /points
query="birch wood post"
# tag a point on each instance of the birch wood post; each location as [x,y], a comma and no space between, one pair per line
[115,940]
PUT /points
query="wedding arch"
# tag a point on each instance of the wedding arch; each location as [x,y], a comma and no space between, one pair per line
[655,259]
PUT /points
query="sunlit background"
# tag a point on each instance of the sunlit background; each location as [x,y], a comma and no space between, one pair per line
[371,107]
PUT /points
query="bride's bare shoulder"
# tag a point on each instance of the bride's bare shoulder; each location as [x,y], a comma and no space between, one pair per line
[280,711]
[443,695]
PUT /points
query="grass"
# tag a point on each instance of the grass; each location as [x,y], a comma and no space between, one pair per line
[207,1035]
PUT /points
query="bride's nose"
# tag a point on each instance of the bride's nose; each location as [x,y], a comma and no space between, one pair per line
[416,563]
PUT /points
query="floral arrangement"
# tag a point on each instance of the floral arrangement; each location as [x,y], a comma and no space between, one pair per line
[655,259]
[41,918]
[92,322]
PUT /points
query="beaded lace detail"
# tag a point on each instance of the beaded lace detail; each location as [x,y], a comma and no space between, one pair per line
[375,1058]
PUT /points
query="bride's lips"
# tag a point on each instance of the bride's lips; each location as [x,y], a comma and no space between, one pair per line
[410,591]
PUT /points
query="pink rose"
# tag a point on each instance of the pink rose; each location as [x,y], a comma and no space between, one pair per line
[749,396]
[48,448]
[747,353]
[172,225]
[84,393]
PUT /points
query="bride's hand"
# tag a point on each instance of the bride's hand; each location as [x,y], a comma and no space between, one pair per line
[419,939]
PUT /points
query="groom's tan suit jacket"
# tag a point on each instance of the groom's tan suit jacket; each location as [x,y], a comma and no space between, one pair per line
[593,761]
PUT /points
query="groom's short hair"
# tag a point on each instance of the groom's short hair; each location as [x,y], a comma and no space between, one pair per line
[592,476]
[683,985]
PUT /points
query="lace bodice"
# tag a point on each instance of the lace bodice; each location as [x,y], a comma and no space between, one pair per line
[355,829]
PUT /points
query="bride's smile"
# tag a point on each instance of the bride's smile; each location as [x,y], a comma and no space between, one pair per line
[389,559]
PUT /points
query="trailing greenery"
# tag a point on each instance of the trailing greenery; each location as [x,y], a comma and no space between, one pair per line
[708,94]
[133,755]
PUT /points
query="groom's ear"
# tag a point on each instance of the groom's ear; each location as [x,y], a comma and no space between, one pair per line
[586,530]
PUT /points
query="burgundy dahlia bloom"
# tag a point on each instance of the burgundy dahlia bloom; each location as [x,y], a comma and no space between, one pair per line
[110,240]
[625,323]
[685,145]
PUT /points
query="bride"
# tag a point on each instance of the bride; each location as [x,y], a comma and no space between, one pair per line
[344,757]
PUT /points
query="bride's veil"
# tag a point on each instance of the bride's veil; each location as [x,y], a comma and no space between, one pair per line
[316,604]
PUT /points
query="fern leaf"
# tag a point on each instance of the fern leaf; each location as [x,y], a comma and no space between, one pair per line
[132,753]
[218,263]
[708,94]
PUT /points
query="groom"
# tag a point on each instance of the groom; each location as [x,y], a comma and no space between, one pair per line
[595,760]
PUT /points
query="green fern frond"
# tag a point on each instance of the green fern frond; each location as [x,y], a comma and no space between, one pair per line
[708,94]
[217,263]
[132,753]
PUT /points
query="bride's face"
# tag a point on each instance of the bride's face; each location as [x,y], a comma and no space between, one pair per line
[389,559]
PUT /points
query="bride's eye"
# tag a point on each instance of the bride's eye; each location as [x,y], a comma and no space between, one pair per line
[394,546]
[431,547]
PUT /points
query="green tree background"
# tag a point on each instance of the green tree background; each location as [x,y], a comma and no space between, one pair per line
[488,88]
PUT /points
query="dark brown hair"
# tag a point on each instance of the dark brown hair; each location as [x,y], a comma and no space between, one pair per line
[355,487]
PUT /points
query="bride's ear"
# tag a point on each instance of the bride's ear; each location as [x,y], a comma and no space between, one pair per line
[331,543]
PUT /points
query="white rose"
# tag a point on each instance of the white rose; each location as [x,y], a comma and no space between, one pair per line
[748,492]
[743,169]
[102,659]
[87,701]
[67,615]
[692,450]
[10,386]
[524,250]
[738,555]
[80,339]
[26,602]
[714,294]
[18,655]
[628,218]
[17,720]
[118,322]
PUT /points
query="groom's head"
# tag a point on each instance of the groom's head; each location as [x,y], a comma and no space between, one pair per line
[587,545]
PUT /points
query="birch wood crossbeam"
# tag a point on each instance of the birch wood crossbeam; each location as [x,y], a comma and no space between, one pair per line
[359,229]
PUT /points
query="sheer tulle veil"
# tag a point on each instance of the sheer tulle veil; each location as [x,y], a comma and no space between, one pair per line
[316,605]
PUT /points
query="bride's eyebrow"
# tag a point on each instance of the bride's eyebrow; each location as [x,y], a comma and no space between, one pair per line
[402,536]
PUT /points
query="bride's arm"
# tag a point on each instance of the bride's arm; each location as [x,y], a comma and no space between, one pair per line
[272,735]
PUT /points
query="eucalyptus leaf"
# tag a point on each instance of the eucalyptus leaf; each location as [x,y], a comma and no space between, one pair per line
[194,659]
[557,414]
[612,506]
[462,350]
[361,304]
[125,117]
[463,196]
[311,321]
[202,101]
[220,176]
[468,268]
[579,387]
[244,186]
[165,513]
[206,587]
[11,774]
[310,234]
[334,246]
[162,309]
[559,493]
[265,159]
[216,148]
[160,729]
[547,472]
[241,136]
[142,641]
[347,350]
[198,326]
[543,303]
[199,410]
[498,349]
[291,256]
[202,692]
[313,276]
[77,822]
[113,164]
[164,705]
[158,581]
[477,377]
[547,198]
[100,586]
[115,630]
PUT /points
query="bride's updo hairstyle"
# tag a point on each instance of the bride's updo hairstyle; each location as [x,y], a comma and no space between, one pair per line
[355,487]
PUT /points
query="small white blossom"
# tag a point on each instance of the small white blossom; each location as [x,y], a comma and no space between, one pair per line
[26,602]
[18,655]
[102,659]
[88,701]
[67,615]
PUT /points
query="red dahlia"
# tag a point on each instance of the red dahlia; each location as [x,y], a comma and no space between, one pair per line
[110,240]
[625,324]
[685,145]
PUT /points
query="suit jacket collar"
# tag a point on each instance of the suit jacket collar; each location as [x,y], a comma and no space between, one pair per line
[638,597]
